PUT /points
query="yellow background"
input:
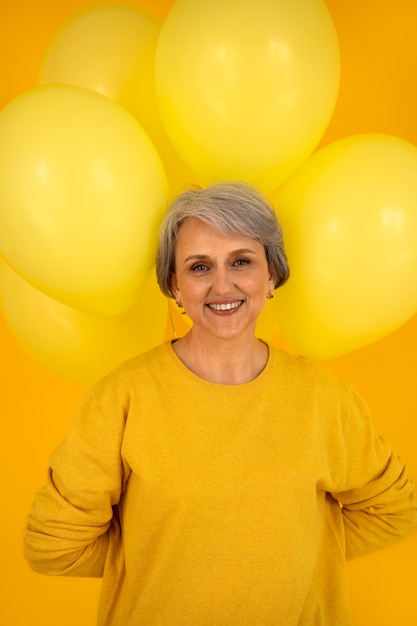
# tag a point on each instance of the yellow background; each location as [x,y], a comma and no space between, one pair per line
[378,41]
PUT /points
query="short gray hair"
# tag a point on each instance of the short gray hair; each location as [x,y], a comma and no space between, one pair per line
[234,209]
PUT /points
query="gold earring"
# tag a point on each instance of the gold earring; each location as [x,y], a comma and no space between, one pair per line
[179,303]
[269,295]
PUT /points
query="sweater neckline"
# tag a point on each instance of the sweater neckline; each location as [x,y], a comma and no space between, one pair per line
[195,380]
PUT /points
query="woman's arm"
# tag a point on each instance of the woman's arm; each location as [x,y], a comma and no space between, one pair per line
[380,512]
[377,498]
[71,519]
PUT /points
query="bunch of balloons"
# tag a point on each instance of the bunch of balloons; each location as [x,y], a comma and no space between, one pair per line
[128,111]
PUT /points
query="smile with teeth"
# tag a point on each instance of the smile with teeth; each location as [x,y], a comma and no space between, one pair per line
[226,306]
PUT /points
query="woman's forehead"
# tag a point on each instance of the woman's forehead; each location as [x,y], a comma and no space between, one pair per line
[194,226]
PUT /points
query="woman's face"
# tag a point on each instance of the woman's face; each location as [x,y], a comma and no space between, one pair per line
[222,281]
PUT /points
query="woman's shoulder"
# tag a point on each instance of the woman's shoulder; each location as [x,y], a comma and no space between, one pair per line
[300,370]
[141,365]
[309,382]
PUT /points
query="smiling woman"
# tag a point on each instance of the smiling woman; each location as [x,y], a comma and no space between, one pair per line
[180,482]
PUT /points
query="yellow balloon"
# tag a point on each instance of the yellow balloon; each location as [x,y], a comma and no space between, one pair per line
[75,345]
[82,194]
[246,89]
[110,48]
[349,217]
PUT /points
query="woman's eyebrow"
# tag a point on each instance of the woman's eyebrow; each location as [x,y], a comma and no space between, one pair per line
[197,257]
[206,257]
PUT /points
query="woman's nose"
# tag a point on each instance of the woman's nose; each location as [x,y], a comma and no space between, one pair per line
[222,282]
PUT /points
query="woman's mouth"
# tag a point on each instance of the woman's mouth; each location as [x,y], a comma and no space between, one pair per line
[225,306]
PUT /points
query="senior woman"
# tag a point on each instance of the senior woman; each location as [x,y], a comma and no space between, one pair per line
[217,480]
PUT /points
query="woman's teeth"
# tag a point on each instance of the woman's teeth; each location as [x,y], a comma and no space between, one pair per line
[225,307]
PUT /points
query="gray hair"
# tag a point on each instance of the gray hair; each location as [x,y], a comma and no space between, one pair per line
[234,209]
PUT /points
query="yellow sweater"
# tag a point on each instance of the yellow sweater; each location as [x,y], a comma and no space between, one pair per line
[219,505]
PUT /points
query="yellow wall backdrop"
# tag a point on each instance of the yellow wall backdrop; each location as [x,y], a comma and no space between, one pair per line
[378,93]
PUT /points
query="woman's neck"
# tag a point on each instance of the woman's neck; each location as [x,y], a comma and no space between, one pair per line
[227,362]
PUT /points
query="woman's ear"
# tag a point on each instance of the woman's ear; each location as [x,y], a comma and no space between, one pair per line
[175,291]
[272,281]
[174,286]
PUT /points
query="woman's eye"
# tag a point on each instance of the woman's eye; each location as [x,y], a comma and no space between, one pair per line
[241,262]
[200,267]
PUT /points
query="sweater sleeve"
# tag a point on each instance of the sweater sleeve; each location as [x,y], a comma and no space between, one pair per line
[376,496]
[71,520]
